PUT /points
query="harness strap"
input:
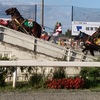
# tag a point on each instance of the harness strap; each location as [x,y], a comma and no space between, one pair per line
[20,25]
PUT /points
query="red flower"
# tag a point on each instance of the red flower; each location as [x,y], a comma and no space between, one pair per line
[69,83]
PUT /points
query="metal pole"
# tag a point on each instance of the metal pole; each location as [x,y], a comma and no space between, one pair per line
[35,12]
[72,14]
[42,13]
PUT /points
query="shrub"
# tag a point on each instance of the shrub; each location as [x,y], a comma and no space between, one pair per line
[2,80]
[3,72]
[90,75]
[36,80]
[59,73]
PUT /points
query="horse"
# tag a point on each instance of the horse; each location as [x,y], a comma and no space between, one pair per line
[27,26]
[88,42]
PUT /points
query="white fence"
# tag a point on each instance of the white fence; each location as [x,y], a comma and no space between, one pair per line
[39,46]
[22,63]
[49,63]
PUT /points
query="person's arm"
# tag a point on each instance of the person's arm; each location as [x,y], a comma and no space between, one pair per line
[59,29]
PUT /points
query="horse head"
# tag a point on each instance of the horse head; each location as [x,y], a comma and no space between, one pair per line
[79,36]
[10,11]
[98,29]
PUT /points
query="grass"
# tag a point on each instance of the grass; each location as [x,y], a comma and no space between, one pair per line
[20,86]
[97,88]
[25,87]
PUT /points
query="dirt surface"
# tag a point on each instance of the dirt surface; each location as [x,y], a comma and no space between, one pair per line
[50,95]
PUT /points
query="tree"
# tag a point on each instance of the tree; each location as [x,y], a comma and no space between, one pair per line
[68,33]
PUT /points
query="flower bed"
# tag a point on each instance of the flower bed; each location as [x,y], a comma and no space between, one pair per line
[65,83]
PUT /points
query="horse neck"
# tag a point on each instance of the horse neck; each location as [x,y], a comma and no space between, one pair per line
[94,33]
[85,37]
[18,17]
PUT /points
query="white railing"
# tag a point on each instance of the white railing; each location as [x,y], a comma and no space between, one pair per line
[22,63]
[44,47]
[48,63]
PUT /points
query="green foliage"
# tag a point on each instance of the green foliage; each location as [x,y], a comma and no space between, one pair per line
[68,33]
[2,80]
[4,72]
[91,76]
[35,80]
[4,58]
[84,72]
[59,73]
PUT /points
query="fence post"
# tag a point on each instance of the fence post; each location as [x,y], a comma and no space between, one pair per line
[35,45]
[14,77]
[68,57]
[64,53]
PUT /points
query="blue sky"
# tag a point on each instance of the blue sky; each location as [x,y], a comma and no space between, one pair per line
[65,13]
[79,3]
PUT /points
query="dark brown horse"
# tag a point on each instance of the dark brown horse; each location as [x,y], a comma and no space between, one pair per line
[24,25]
[89,42]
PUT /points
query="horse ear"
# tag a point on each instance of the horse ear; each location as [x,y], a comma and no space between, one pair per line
[14,8]
[80,32]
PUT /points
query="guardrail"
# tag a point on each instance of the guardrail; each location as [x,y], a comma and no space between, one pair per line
[48,63]
[40,46]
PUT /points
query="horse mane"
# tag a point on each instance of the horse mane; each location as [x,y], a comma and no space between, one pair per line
[83,36]
[18,12]
[84,33]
